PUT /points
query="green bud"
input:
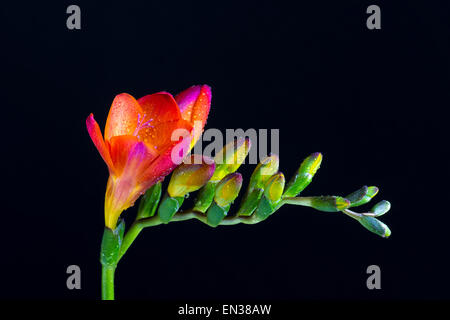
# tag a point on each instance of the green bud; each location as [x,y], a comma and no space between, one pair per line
[271,199]
[358,195]
[149,202]
[168,207]
[111,242]
[263,171]
[362,196]
[227,189]
[304,175]
[376,226]
[216,214]
[381,208]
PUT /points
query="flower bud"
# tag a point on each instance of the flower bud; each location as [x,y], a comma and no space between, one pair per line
[230,158]
[304,175]
[376,226]
[190,176]
[272,196]
[263,171]
[381,208]
[362,196]
[228,189]
[274,187]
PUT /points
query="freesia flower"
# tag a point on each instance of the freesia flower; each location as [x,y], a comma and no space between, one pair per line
[138,141]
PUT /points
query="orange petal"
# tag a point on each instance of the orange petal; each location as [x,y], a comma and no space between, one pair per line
[96,136]
[160,115]
[171,154]
[161,135]
[160,107]
[130,156]
[123,116]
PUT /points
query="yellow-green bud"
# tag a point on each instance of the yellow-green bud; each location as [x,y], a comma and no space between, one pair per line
[229,159]
[263,171]
[304,175]
[228,189]
[274,187]
[190,176]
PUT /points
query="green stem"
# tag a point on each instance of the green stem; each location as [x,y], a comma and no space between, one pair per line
[134,231]
[130,236]
[108,282]
[299,201]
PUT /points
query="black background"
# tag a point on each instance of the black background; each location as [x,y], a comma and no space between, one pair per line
[372,101]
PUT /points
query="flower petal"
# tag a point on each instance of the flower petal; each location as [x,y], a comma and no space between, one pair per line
[96,136]
[171,152]
[194,103]
[162,135]
[160,114]
[160,106]
[123,116]
[130,156]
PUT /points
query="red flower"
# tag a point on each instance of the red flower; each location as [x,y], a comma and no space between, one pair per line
[141,139]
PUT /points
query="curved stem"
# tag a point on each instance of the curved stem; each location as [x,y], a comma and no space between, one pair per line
[129,238]
[108,282]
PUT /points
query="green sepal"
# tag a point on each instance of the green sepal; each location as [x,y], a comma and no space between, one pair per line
[362,196]
[168,207]
[205,197]
[376,226]
[121,230]
[265,208]
[216,214]
[111,242]
[250,202]
[304,175]
[149,202]
[329,203]
[381,208]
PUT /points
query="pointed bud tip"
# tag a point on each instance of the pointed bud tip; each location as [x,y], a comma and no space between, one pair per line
[372,191]
[245,142]
[316,155]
